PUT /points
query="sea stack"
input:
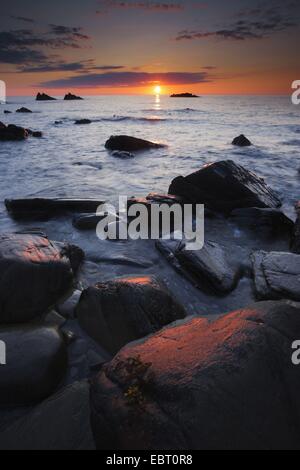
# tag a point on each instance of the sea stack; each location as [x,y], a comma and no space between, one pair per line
[70,97]
[44,97]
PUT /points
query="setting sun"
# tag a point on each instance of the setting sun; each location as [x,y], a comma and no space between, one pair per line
[157,90]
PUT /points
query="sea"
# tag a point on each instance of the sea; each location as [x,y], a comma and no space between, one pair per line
[71,161]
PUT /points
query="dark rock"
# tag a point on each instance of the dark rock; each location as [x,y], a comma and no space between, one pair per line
[87,222]
[44,97]
[83,121]
[34,133]
[12,132]
[295,247]
[224,186]
[241,141]
[70,97]
[210,267]
[35,273]
[2,125]
[123,310]
[60,423]
[196,384]
[40,207]
[36,364]
[271,223]
[121,154]
[276,275]
[184,95]
[130,144]
[23,110]
[7,112]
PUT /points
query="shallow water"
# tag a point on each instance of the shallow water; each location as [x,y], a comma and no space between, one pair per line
[71,161]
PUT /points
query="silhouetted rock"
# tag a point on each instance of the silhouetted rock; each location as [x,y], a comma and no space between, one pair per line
[60,423]
[44,97]
[276,275]
[83,121]
[122,310]
[12,132]
[7,112]
[295,248]
[130,144]
[241,141]
[121,154]
[270,223]
[224,186]
[23,110]
[36,364]
[70,97]
[41,208]
[184,95]
[35,273]
[193,385]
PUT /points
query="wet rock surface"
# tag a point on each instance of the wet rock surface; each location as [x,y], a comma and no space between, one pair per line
[276,275]
[60,423]
[130,144]
[123,310]
[12,132]
[36,364]
[196,384]
[241,141]
[35,274]
[224,186]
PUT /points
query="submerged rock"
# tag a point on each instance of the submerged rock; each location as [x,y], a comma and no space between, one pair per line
[44,97]
[276,275]
[36,364]
[83,121]
[130,144]
[35,273]
[12,132]
[23,110]
[7,112]
[38,134]
[123,155]
[125,309]
[224,186]
[60,423]
[70,97]
[270,223]
[241,141]
[190,386]
[87,222]
[41,207]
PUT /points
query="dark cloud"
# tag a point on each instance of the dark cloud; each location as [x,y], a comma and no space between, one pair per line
[27,47]
[84,66]
[148,6]
[23,18]
[252,23]
[129,79]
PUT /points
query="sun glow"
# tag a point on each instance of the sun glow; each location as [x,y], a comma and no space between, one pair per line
[157,90]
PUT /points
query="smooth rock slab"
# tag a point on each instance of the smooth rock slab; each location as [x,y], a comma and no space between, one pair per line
[35,273]
[36,364]
[224,186]
[277,275]
[125,309]
[60,423]
[130,144]
[229,384]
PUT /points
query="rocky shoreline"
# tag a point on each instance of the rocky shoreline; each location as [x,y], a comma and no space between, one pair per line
[125,363]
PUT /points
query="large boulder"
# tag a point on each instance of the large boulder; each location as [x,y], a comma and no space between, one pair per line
[41,207]
[228,384]
[276,275]
[12,132]
[123,310]
[60,423]
[130,144]
[44,97]
[36,364]
[224,186]
[34,274]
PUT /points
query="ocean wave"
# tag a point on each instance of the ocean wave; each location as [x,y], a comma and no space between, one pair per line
[293,142]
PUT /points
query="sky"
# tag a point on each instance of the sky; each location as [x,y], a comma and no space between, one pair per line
[130,47]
